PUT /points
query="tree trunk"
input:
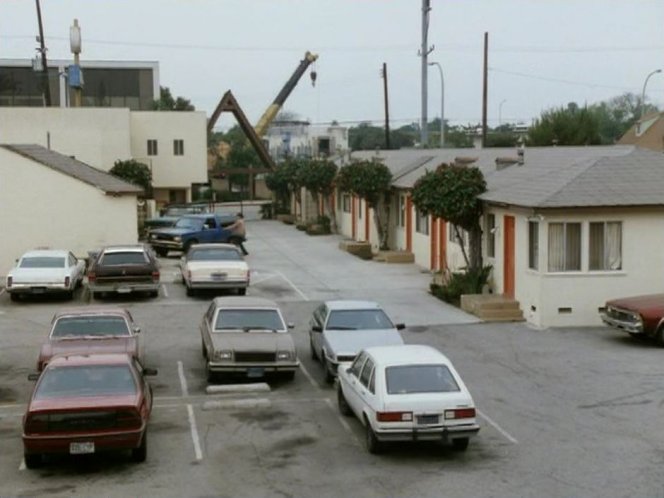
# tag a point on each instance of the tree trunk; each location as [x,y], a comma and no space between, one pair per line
[331,214]
[382,223]
[459,239]
[476,248]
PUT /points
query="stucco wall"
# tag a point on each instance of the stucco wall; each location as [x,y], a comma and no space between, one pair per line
[96,136]
[169,170]
[42,207]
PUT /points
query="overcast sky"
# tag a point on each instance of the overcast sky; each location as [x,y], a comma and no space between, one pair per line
[542,53]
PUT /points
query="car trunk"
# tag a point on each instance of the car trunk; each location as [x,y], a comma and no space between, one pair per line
[211,271]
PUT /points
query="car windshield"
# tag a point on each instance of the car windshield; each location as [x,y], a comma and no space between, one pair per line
[88,380]
[216,254]
[190,223]
[358,320]
[43,262]
[248,319]
[98,326]
[123,258]
[410,379]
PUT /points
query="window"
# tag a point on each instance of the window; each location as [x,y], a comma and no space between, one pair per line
[422,222]
[402,211]
[356,367]
[346,201]
[411,379]
[533,245]
[491,235]
[605,248]
[178,147]
[564,246]
[366,372]
[152,147]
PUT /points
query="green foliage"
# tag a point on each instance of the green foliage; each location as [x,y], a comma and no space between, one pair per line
[371,180]
[278,182]
[241,155]
[267,211]
[566,126]
[367,137]
[166,102]
[471,281]
[317,175]
[324,222]
[133,172]
[502,139]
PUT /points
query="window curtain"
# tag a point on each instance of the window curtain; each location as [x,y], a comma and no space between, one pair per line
[556,247]
[614,246]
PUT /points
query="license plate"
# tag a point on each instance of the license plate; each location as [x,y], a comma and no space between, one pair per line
[427,419]
[124,290]
[38,290]
[82,448]
[255,372]
[218,276]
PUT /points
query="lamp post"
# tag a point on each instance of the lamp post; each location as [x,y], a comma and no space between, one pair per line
[442,103]
[500,111]
[643,97]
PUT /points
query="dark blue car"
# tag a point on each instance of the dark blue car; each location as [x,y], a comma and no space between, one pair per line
[191,229]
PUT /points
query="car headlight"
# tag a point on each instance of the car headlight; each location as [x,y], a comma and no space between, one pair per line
[284,355]
[223,355]
[177,239]
[152,236]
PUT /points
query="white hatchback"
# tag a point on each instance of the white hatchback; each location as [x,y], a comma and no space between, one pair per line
[407,393]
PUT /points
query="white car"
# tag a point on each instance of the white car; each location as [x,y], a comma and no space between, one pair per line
[45,271]
[214,266]
[407,393]
[338,330]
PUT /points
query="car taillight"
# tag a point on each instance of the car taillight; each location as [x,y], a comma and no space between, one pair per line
[128,418]
[36,423]
[9,281]
[248,276]
[460,413]
[394,416]
[92,277]
[155,276]
[67,281]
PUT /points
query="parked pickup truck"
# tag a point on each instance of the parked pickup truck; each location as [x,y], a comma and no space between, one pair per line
[191,229]
[638,316]
[172,213]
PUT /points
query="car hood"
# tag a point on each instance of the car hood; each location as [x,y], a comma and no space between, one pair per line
[83,402]
[650,302]
[101,345]
[352,342]
[253,341]
[38,275]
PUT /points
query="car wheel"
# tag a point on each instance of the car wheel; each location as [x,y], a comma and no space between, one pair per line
[187,245]
[69,295]
[190,291]
[203,349]
[96,295]
[32,460]
[288,375]
[314,356]
[460,444]
[141,453]
[373,445]
[153,293]
[161,251]
[242,291]
[344,408]
[209,374]
[329,378]
[13,296]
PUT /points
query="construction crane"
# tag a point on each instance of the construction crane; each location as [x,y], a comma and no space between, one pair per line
[271,112]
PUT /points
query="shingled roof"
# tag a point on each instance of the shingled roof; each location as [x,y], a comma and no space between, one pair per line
[76,169]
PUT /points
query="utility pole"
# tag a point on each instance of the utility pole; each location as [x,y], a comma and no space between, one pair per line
[424,52]
[45,83]
[486,86]
[387,110]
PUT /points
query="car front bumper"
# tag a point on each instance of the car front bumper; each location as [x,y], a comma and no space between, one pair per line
[229,367]
[104,441]
[627,326]
[167,244]
[437,433]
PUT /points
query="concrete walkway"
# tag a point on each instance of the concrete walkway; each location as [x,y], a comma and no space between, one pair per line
[318,270]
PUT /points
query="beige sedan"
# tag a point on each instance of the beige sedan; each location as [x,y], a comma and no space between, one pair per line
[247,336]
[214,266]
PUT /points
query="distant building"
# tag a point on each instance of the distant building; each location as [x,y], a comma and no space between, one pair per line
[131,84]
[300,139]
[647,133]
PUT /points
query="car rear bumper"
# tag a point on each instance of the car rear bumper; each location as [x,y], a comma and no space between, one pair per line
[630,327]
[125,288]
[224,284]
[103,441]
[218,367]
[429,433]
[38,289]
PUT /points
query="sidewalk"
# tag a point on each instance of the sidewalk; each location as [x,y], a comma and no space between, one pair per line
[321,271]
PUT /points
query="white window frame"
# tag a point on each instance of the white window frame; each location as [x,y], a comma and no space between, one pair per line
[617,257]
[564,246]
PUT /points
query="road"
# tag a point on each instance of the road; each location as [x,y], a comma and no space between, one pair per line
[564,412]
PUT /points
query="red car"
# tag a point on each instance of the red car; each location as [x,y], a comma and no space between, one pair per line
[91,330]
[638,315]
[85,404]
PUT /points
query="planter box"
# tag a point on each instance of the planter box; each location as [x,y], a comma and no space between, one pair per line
[359,249]
[289,219]
[316,229]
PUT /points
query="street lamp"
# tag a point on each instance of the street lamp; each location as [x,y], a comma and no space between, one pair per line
[500,111]
[442,103]
[643,97]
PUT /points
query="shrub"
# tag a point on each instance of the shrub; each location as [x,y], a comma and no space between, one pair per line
[468,282]
[267,211]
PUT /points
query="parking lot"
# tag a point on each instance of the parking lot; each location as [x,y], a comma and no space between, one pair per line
[564,412]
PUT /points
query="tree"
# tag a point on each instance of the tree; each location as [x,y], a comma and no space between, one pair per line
[241,155]
[619,114]
[133,172]
[566,126]
[279,182]
[452,192]
[166,102]
[371,181]
[317,176]
[368,137]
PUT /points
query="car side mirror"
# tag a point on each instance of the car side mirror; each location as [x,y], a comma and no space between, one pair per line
[400,326]
[137,330]
[150,371]
[33,376]
[316,328]
[290,325]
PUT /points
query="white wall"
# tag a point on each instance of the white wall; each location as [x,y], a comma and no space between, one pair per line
[169,170]
[96,136]
[42,207]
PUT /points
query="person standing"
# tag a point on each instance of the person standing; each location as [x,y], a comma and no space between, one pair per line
[238,233]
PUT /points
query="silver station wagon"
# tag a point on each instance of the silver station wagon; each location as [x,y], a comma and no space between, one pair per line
[247,336]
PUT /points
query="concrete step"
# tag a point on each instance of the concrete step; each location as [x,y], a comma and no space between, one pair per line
[395,257]
[500,315]
[498,305]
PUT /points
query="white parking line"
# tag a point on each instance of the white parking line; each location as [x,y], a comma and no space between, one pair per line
[165,291]
[255,282]
[497,427]
[194,433]
[2,291]
[308,376]
[288,281]
[342,421]
[22,466]
[183,381]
